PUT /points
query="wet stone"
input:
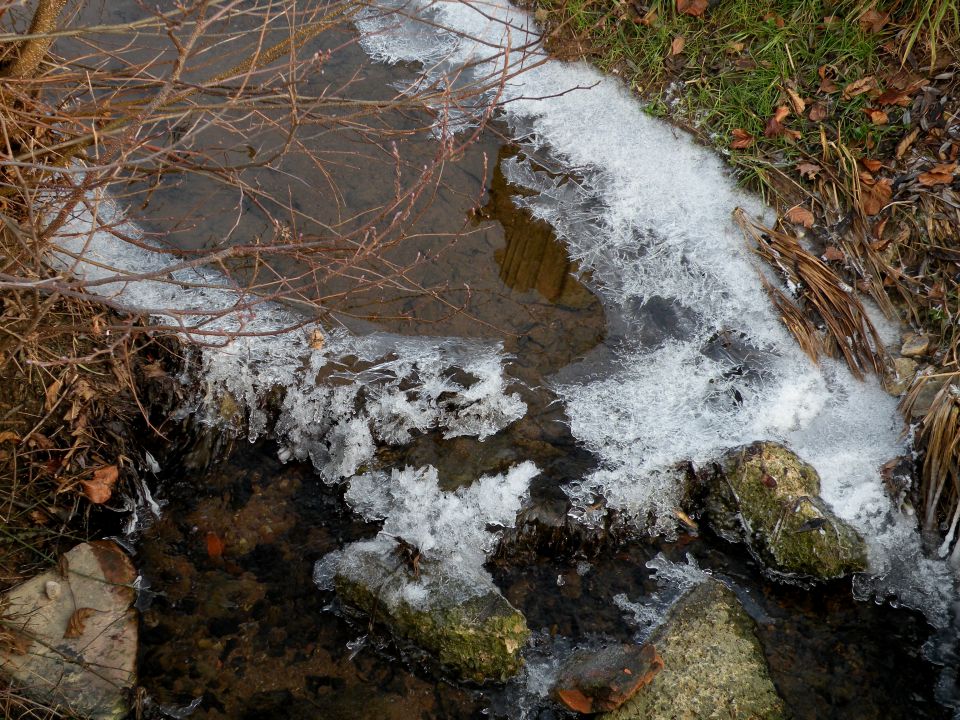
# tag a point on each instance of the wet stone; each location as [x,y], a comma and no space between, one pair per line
[898,381]
[915,346]
[463,621]
[602,680]
[75,633]
[766,497]
[713,665]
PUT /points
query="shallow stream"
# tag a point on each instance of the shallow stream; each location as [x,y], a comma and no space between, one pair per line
[596,312]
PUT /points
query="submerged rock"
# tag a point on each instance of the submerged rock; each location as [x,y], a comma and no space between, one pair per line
[461,619]
[74,633]
[767,497]
[713,665]
[602,680]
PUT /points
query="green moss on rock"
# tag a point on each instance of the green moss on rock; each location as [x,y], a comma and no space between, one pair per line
[713,665]
[467,625]
[766,496]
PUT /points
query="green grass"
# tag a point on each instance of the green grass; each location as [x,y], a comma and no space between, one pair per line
[736,64]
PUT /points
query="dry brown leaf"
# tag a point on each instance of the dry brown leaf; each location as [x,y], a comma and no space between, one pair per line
[9,436]
[77,622]
[741,139]
[871,164]
[775,127]
[153,370]
[694,8]
[866,178]
[876,196]
[317,340]
[878,228]
[676,47]
[808,170]
[893,96]
[834,254]
[799,215]
[777,20]
[818,112]
[827,85]
[859,87]
[649,18]
[52,394]
[735,48]
[215,545]
[873,21]
[100,487]
[796,102]
[877,116]
[938,175]
[905,144]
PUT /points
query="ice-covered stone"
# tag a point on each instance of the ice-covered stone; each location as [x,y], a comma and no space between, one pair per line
[463,620]
[75,634]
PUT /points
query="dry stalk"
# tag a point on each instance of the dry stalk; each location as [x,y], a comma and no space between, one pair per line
[820,290]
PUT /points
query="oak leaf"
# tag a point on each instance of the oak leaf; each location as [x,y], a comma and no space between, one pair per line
[859,87]
[100,487]
[876,196]
[871,164]
[893,96]
[938,175]
[694,8]
[741,139]
[799,215]
[818,112]
[873,21]
[877,116]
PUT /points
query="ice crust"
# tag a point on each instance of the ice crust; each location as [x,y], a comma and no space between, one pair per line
[649,214]
[406,385]
[450,529]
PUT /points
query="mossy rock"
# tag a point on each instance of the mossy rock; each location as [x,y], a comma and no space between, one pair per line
[767,497]
[713,665]
[465,623]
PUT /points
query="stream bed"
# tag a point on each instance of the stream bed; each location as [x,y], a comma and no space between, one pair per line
[598,314]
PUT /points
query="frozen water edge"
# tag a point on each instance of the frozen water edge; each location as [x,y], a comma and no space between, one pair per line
[649,215]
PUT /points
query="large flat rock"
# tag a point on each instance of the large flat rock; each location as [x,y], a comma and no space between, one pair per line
[74,633]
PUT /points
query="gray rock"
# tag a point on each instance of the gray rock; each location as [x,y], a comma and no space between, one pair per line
[713,665]
[915,346]
[766,497]
[462,619]
[74,633]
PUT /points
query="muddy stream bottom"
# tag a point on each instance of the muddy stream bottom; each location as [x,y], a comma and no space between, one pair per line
[233,616]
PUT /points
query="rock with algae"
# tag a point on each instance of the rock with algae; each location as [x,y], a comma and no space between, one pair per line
[713,665]
[767,497]
[461,619]
[73,634]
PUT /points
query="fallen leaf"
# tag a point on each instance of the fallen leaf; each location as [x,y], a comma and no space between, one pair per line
[905,144]
[741,139]
[859,87]
[808,170]
[827,85]
[876,196]
[775,127]
[873,21]
[100,487]
[799,215]
[878,228]
[317,339]
[938,175]
[834,254]
[676,47]
[153,370]
[818,112]
[649,18]
[694,8]
[893,97]
[777,20]
[215,545]
[77,622]
[871,164]
[796,101]
[735,48]
[9,436]
[52,395]
[877,116]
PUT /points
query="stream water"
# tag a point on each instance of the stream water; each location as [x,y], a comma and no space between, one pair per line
[609,323]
